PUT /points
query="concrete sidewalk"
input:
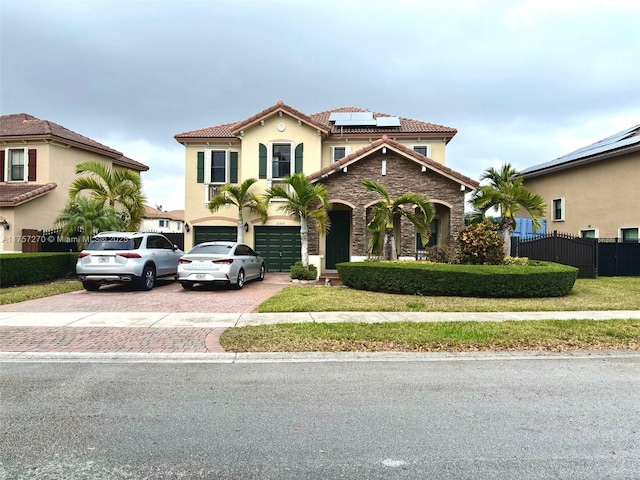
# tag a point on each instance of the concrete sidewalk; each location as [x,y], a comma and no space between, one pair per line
[228,320]
[23,334]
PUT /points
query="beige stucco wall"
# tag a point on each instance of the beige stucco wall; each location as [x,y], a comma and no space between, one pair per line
[196,211]
[55,163]
[602,196]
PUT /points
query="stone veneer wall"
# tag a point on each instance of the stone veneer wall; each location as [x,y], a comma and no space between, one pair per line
[402,176]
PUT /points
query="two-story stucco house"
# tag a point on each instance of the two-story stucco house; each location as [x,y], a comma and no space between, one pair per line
[156,220]
[37,166]
[593,192]
[339,148]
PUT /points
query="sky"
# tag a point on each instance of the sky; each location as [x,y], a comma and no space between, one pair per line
[523,81]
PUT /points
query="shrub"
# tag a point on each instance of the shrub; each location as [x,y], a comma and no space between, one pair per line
[538,279]
[440,254]
[298,272]
[516,261]
[480,244]
[27,268]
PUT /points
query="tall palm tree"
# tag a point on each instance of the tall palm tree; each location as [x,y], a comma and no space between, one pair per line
[87,216]
[242,199]
[304,200]
[385,210]
[120,188]
[505,192]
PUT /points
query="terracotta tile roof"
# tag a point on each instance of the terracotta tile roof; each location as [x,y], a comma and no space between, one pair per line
[407,125]
[408,152]
[151,212]
[22,126]
[12,195]
[321,121]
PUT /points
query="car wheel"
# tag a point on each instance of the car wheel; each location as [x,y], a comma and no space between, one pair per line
[91,286]
[240,281]
[262,272]
[148,279]
[187,285]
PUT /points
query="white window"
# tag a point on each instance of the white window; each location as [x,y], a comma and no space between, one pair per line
[17,164]
[589,233]
[216,166]
[210,191]
[423,150]
[558,210]
[339,152]
[164,223]
[629,235]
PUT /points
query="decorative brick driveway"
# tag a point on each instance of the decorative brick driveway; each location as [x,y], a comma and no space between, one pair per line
[165,297]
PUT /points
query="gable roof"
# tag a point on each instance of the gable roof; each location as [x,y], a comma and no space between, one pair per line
[14,194]
[154,213]
[621,143]
[321,122]
[385,141]
[22,126]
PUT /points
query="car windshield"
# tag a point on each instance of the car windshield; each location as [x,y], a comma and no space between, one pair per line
[211,249]
[113,243]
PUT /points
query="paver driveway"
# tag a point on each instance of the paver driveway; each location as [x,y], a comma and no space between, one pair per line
[165,297]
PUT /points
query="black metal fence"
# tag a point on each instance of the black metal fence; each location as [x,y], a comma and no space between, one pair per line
[581,253]
[607,257]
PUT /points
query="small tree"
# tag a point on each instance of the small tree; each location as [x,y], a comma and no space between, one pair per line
[242,199]
[385,210]
[119,188]
[480,243]
[304,201]
[506,192]
[87,216]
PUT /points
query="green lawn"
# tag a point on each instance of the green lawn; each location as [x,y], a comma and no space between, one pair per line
[29,292]
[604,293]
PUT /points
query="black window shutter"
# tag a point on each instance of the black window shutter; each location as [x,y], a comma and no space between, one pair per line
[32,165]
[262,165]
[200,167]
[298,161]
[233,167]
[1,165]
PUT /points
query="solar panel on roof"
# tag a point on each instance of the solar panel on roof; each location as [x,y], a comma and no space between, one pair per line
[361,116]
[335,116]
[388,122]
[356,123]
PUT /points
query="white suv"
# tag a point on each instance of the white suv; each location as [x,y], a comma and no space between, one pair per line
[127,257]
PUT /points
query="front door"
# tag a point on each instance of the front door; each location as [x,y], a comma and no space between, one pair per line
[338,238]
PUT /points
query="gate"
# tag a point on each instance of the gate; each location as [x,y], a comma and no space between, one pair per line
[581,253]
[617,258]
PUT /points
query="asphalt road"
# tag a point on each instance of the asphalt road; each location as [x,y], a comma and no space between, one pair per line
[566,418]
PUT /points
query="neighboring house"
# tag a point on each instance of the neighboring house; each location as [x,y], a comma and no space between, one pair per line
[156,220]
[339,148]
[593,192]
[37,166]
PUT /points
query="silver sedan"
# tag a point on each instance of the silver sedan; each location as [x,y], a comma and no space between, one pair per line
[227,263]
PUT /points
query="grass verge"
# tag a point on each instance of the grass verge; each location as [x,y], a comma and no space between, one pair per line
[550,335]
[604,293]
[40,290]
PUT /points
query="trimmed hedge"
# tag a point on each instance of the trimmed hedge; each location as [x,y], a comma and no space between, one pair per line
[538,279]
[27,268]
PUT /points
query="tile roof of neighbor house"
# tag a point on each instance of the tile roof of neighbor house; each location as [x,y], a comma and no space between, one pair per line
[14,194]
[621,143]
[321,122]
[392,144]
[22,126]
[151,212]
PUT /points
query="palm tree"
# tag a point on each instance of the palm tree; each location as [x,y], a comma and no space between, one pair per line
[241,198]
[87,216]
[119,188]
[385,210]
[304,200]
[506,193]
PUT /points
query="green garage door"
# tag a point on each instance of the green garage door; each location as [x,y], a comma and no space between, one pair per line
[280,246]
[210,234]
